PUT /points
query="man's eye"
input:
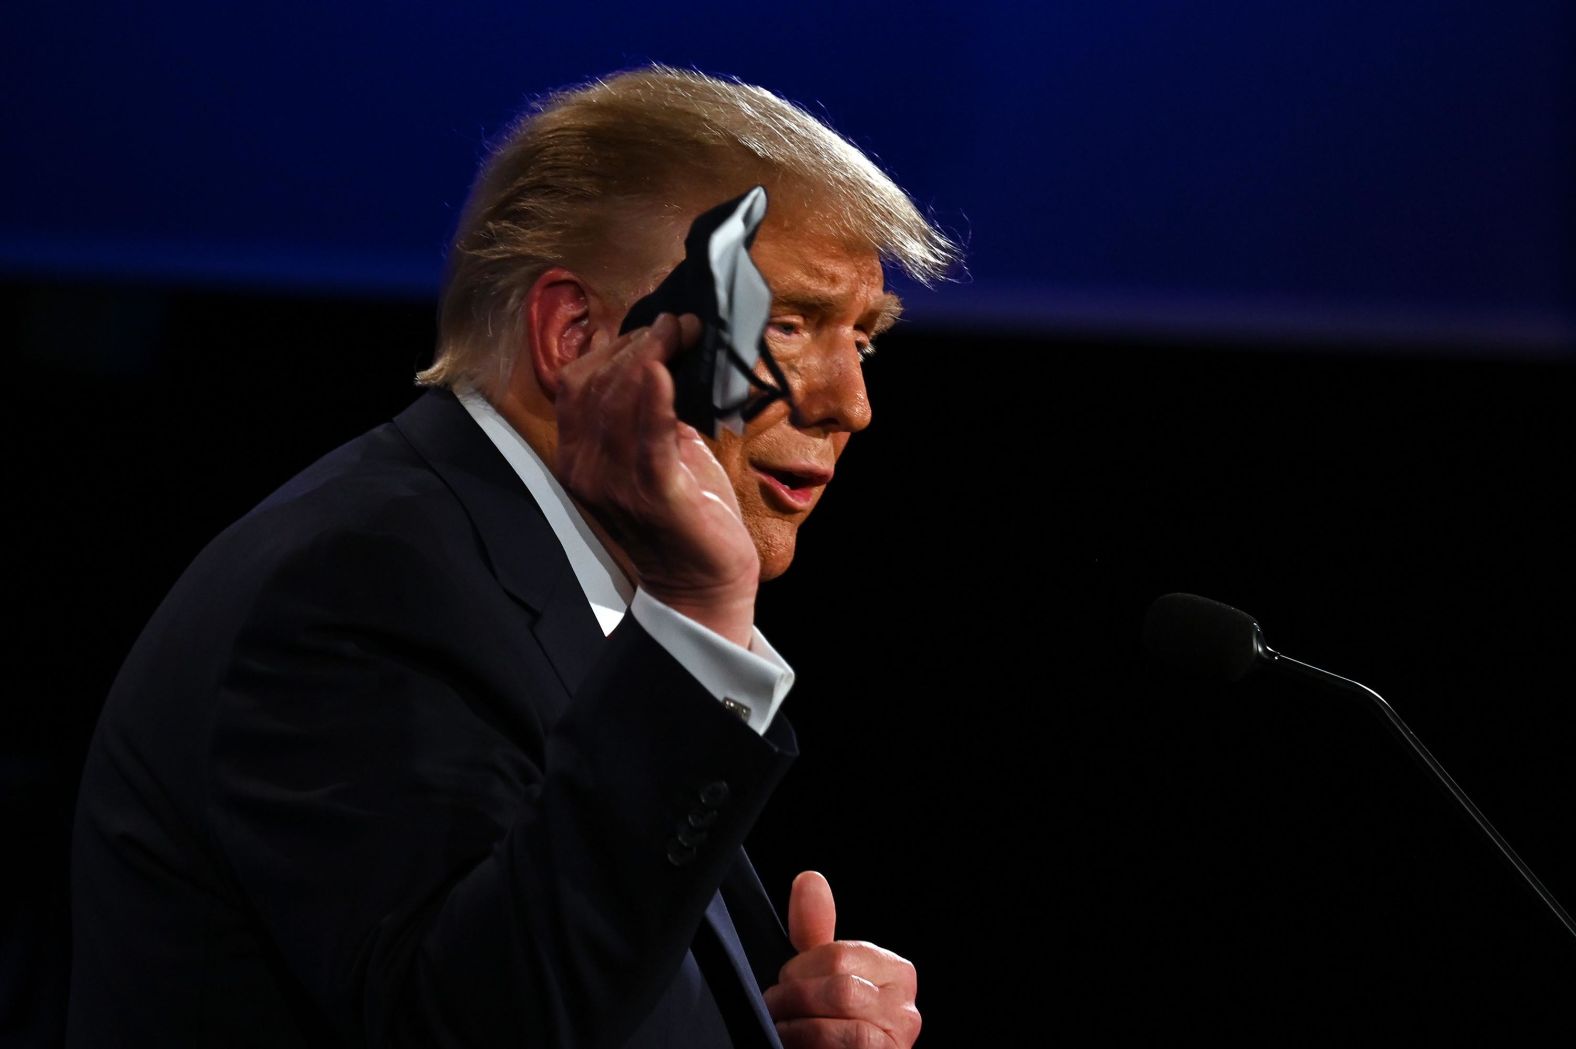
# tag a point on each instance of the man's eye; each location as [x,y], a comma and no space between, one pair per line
[787,327]
[867,350]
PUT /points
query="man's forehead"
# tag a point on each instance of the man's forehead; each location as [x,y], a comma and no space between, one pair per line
[822,271]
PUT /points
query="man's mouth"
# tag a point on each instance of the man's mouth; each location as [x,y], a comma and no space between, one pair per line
[793,487]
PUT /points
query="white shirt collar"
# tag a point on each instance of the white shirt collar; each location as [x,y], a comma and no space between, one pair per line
[606,587]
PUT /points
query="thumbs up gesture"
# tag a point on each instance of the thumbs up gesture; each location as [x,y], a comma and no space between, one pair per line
[839,994]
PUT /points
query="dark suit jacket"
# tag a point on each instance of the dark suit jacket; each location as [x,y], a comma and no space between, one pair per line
[372,775]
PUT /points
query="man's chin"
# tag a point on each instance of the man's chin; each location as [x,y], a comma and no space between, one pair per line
[776,551]
[771,570]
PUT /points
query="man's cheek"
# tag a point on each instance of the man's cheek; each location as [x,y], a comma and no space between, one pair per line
[747,490]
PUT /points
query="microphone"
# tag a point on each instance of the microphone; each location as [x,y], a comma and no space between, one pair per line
[1209,639]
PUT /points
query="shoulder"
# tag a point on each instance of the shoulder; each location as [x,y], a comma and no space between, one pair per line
[371,528]
[366,501]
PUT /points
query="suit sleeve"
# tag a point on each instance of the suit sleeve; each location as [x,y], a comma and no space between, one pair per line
[443,861]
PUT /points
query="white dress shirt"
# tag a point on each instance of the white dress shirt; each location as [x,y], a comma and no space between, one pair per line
[750,682]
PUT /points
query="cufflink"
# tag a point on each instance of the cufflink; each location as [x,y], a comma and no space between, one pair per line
[733,706]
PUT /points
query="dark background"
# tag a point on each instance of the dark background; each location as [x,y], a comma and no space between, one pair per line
[1269,306]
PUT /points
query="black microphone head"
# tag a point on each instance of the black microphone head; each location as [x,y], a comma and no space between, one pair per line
[1201,636]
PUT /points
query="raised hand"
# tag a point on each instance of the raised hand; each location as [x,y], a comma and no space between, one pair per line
[839,994]
[651,481]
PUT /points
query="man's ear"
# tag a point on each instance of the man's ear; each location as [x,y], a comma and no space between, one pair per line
[558,324]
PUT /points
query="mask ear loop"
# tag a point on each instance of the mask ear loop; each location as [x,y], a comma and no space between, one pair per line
[751,407]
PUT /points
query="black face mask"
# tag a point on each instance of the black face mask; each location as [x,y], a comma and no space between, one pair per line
[715,385]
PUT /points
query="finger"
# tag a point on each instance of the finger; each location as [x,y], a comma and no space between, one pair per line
[689,330]
[701,462]
[617,386]
[627,353]
[659,455]
[842,996]
[658,342]
[611,413]
[589,377]
[598,417]
[820,1033]
[854,958]
[812,914]
[604,345]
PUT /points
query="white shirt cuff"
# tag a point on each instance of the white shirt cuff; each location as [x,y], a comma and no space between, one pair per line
[750,682]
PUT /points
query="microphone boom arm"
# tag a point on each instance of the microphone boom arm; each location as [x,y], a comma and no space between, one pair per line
[1273,659]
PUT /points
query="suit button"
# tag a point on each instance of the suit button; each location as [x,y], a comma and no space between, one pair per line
[700,819]
[680,854]
[689,836]
[714,795]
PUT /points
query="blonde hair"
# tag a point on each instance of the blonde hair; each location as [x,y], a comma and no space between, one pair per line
[588,163]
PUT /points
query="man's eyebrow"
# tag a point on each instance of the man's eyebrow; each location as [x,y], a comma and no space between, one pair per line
[884,311]
[888,308]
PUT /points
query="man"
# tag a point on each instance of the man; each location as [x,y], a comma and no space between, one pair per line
[454,739]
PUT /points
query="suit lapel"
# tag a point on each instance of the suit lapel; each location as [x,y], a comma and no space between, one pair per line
[752,939]
[761,935]
[568,630]
[530,564]
[741,978]
[524,553]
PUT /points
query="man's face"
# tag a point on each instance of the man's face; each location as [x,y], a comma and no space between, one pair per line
[828,304]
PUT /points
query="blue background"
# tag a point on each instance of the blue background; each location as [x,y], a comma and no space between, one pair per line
[1279,303]
[1396,173]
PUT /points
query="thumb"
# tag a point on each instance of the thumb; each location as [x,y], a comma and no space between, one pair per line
[812,916]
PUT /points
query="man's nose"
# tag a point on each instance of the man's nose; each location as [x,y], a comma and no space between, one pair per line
[828,388]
